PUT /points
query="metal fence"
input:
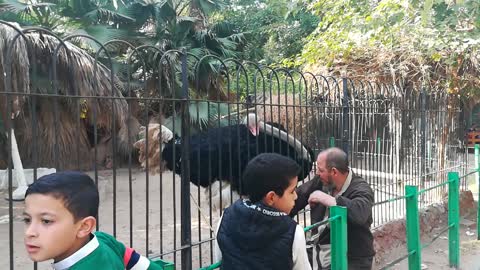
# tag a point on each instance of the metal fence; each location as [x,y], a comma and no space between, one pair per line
[83,109]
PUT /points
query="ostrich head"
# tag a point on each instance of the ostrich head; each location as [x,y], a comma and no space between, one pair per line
[155,132]
[166,135]
[158,136]
[253,123]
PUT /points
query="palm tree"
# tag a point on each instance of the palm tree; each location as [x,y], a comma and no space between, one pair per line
[61,126]
[167,25]
[100,19]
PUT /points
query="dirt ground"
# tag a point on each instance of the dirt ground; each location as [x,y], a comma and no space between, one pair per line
[162,227]
[435,256]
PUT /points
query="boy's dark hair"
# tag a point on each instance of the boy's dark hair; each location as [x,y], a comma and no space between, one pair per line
[268,172]
[76,189]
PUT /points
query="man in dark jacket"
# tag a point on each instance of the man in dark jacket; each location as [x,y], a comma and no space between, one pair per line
[336,184]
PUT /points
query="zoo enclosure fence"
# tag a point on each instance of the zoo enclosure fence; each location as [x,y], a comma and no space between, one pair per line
[81,109]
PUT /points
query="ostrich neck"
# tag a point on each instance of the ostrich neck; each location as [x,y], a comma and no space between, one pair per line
[282,135]
[173,162]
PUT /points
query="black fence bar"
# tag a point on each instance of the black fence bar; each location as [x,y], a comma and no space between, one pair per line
[345,114]
[186,230]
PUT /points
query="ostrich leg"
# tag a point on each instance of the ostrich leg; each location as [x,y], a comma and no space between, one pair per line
[19,174]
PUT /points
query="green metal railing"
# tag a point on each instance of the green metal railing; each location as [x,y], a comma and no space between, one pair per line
[338,237]
[213,266]
[477,169]
[413,225]
[414,247]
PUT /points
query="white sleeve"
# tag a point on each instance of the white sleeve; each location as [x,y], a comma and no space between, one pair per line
[299,251]
[217,254]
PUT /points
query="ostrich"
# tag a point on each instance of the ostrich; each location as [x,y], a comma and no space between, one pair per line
[221,154]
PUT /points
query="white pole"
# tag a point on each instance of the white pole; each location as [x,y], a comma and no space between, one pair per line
[19,174]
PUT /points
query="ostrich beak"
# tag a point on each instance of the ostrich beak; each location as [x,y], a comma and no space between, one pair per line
[254,130]
[252,123]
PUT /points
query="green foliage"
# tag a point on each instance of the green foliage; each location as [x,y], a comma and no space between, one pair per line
[165,24]
[160,22]
[429,26]
[436,36]
[203,114]
[273,32]
[64,17]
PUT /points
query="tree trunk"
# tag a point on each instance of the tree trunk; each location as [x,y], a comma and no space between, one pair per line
[196,12]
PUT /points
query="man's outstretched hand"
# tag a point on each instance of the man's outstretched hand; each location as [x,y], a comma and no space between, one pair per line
[321,197]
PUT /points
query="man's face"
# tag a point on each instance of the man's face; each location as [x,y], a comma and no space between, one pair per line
[50,229]
[324,173]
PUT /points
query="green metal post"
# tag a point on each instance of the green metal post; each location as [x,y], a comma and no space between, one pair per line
[332,141]
[453,219]
[477,155]
[477,162]
[338,238]
[413,228]
[379,143]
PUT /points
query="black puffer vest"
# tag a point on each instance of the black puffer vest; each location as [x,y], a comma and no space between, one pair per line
[255,237]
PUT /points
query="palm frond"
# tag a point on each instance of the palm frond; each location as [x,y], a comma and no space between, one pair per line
[174,123]
[13,6]
[140,11]
[106,15]
[205,114]
[105,33]
[209,6]
[238,38]
[186,18]
[16,6]
[223,29]
[12,17]
[165,12]
[182,27]
[199,113]
[220,110]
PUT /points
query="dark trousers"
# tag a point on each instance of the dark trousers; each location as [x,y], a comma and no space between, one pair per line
[354,263]
[362,263]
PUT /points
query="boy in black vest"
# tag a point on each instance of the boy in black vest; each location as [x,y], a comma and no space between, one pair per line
[257,233]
